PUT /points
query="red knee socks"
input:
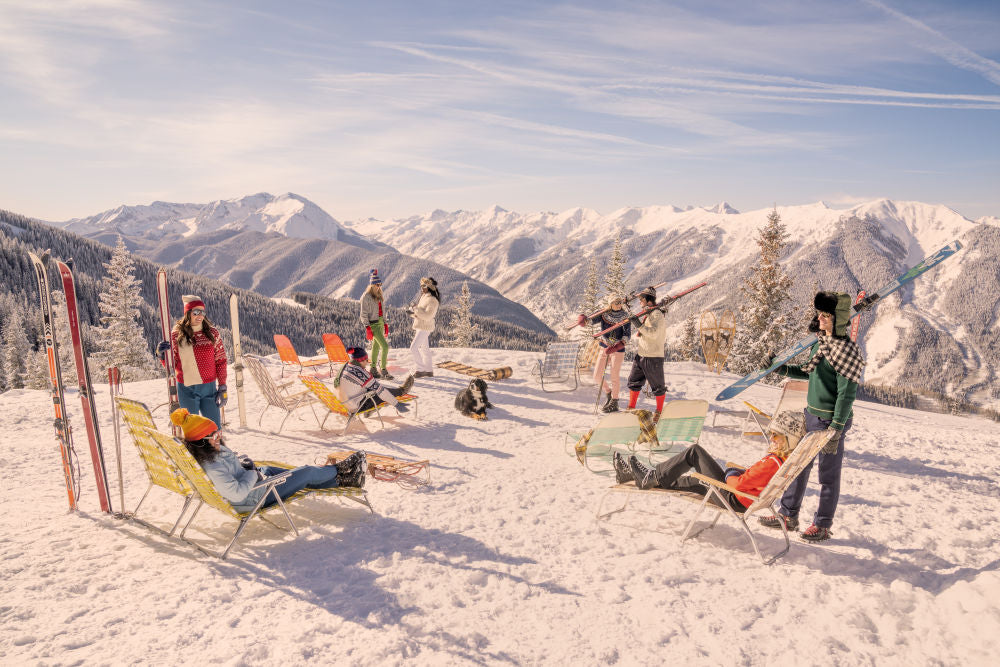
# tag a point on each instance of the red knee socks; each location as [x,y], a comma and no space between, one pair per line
[633,398]
[659,404]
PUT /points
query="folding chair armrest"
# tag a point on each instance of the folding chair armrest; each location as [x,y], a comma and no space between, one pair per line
[730,464]
[754,408]
[273,480]
[722,485]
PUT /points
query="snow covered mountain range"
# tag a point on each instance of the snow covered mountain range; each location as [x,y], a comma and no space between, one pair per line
[940,334]
[288,214]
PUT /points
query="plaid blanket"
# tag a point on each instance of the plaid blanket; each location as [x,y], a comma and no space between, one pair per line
[647,433]
[842,353]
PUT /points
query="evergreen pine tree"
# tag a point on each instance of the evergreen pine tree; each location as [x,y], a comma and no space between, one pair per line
[37,376]
[121,343]
[462,327]
[690,346]
[615,279]
[765,313]
[15,351]
[590,302]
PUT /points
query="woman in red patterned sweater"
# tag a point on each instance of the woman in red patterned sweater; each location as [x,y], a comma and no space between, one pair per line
[786,429]
[199,361]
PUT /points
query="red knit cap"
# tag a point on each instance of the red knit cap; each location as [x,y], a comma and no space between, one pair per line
[192,301]
[195,427]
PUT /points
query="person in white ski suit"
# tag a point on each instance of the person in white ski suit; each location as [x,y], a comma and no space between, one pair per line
[357,385]
[423,313]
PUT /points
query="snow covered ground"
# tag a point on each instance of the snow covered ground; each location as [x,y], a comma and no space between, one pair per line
[500,559]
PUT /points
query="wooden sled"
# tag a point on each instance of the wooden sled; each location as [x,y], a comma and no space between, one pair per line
[408,474]
[492,375]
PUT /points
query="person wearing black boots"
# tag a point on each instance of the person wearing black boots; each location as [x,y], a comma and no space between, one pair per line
[651,334]
[834,370]
[612,349]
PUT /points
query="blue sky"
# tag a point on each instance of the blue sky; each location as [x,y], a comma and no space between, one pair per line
[389,109]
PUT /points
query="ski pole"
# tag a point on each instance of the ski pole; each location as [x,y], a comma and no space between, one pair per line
[115,385]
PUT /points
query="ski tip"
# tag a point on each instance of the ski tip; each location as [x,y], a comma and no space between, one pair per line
[726,394]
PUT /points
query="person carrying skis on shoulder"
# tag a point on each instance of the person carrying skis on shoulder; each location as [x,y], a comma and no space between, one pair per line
[199,361]
[373,320]
[834,371]
[423,313]
[358,386]
[613,347]
[651,334]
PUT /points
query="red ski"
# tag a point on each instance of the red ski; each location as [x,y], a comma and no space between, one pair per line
[664,302]
[71,467]
[631,296]
[168,357]
[856,322]
[86,390]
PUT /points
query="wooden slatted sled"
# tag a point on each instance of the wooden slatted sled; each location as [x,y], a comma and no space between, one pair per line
[491,375]
[407,474]
[208,495]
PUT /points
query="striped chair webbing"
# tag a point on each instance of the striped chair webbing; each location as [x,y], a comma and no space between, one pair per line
[159,467]
[325,396]
[679,429]
[266,383]
[560,359]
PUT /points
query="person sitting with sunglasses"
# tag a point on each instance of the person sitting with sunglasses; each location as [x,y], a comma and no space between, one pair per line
[199,361]
[235,475]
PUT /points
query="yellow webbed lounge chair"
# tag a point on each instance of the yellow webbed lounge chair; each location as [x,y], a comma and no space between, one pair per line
[159,468]
[336,407]
[208,495]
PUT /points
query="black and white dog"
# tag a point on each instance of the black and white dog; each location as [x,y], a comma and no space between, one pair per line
[472,402]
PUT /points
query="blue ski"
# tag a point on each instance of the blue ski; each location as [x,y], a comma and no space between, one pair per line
[867,303]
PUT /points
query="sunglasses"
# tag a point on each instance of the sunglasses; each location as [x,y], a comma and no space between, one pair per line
[822,315]
[197,311]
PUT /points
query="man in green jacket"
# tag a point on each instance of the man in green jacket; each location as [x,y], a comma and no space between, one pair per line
[833,370]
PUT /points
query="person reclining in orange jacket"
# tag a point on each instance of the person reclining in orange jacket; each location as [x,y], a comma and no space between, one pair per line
[785,432]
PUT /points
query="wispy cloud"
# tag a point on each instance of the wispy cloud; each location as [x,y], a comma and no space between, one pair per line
[942,45]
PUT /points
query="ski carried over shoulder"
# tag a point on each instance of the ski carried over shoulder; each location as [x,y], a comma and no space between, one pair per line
[866,303]
[662,305]
[86,390]
[64,435]
[856,322]
[632,295]
[234,321]
[165,326]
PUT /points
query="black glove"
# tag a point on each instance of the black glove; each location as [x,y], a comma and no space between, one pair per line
[246,462]
[221,397]
[161,348]
[634,321]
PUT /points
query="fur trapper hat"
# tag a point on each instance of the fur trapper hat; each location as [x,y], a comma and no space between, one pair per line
[836,303]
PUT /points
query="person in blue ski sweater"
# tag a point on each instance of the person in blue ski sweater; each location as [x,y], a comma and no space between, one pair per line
[235,476]
[612,349]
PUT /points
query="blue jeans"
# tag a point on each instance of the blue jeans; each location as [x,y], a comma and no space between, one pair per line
[199,399]
[829,478]
[312,477]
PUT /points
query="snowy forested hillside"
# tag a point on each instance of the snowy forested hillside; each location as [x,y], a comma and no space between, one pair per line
[279,245]
[941,334]
[500,561]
